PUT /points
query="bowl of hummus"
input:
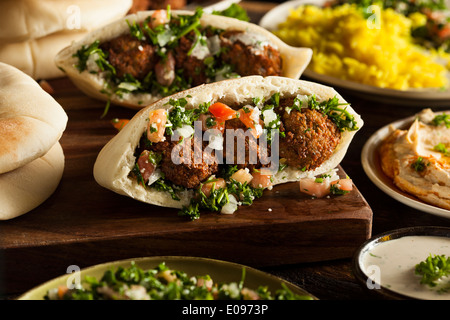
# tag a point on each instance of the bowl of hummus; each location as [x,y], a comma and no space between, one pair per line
[410,160]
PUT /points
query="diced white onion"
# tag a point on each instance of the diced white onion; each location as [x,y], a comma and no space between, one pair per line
[304,99]
[127,86]
[259,129]
[231,206]
[269,116]
[185,131]
[154,177]
[213,44]
[200,51]
[255,114]
[91,64]
[216,141]
[250,39]
[165,37]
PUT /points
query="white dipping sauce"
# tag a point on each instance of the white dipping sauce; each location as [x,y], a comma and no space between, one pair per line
[391,264]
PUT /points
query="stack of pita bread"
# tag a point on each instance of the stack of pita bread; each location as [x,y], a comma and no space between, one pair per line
[31,157]
[33,31]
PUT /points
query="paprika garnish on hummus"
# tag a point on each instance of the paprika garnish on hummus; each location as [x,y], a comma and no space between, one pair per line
[418,159]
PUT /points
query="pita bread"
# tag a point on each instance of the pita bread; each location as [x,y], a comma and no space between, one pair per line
[117,159]
[294,59]
[25,188]
[23,20]
[35,57]
[31,121]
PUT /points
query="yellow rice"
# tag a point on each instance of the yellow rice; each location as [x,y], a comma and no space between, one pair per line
[348,46]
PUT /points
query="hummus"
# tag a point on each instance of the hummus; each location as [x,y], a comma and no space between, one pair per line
[418,159]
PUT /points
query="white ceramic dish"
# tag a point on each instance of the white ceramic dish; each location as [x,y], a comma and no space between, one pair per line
[385,264]
[370,160]
[413,98]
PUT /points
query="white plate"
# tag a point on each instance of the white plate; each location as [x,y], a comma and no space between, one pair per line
[414,98]
[371,164]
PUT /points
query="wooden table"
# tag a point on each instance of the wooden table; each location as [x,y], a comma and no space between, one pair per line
[327,280]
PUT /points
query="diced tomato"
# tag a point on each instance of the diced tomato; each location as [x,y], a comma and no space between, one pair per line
[62,291]
[218,183]
[159,17]
[313,188]
[222,112]
[208,283]
[119,123]
[260,180]
[249,294]
[444,33]
[145,166]
[156,125]
[247,117]
[219,125]
[344,184]
[242,176]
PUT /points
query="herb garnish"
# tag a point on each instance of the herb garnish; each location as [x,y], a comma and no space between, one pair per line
[233,11]
[335,190]
[419,165]
[244,193]
[340,116]
[179,115]
[214,202]
[432,269]
[85,52]
[440,147]
[442,119]
[163,185]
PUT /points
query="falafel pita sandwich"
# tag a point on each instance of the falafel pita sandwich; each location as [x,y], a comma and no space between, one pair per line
[143,57]
[220,145]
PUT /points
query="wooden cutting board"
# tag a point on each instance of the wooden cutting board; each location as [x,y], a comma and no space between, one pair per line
[84,224]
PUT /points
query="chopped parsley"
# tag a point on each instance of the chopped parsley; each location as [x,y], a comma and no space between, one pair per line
[163,185]
[440,147]
[331,108]
[136,171]
[335,190]
[233,11]
[179,115]
[432,269]
[442,119]
[419,165]
[85,52]
[244,193]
